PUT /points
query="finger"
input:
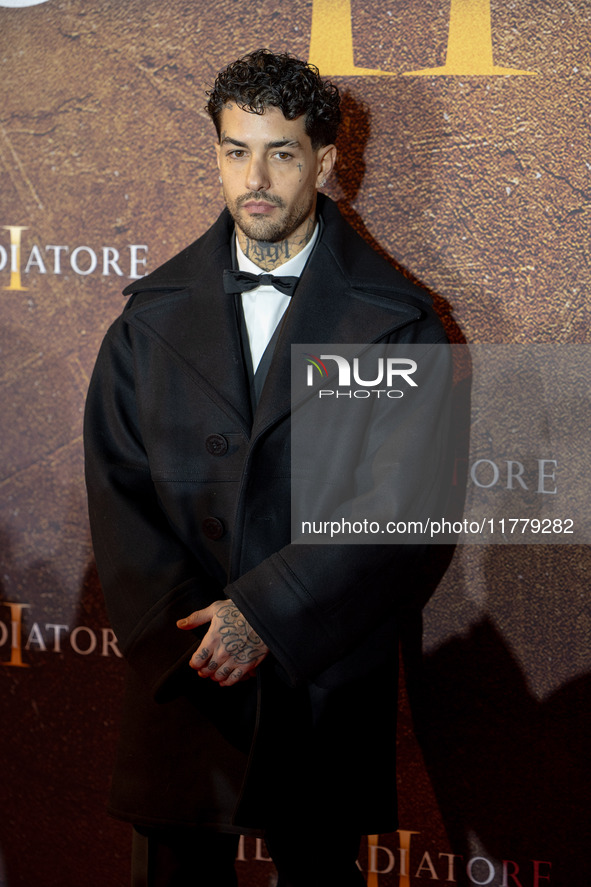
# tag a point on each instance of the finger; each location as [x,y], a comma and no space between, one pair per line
[206,651]
[237,675]
[209,656]
[200,658]
[197,618]
[208,671]
[221,673]
[226,673]
[227,676]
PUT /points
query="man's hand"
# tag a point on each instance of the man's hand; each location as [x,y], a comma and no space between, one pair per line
[231,649]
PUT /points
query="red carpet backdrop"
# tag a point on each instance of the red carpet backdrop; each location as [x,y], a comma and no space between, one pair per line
[465,158]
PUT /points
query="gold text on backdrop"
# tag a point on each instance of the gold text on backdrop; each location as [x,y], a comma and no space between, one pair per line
[469,45]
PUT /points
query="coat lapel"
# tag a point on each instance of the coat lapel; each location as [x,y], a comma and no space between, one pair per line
[327,307]
[183,305]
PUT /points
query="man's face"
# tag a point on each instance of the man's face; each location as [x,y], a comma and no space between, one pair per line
[270,172]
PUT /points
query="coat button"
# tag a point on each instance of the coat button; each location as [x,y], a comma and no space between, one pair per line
[212,528]
[216,445]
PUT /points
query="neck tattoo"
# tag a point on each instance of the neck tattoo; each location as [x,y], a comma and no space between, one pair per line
[269,256]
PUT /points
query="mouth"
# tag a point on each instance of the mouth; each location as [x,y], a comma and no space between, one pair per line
[259,207]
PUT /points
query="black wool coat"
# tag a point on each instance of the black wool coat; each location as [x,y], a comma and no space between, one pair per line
[189,502]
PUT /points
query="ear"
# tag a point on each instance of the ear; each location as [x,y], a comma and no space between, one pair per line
[217,154]
[327,157]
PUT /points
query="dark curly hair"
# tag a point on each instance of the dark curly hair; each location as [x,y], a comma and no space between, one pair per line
[264,79]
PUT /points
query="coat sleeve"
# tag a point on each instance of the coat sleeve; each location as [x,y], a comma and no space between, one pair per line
[318,604]
[149,577]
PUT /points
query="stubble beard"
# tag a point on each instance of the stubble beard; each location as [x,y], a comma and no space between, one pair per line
[265,230]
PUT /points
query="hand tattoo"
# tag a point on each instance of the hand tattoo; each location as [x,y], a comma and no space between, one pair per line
[231,649]
[239,639]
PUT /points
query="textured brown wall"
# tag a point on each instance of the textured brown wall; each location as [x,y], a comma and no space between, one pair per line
[479,187]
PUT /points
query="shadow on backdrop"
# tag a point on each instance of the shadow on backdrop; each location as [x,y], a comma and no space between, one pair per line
[510,772]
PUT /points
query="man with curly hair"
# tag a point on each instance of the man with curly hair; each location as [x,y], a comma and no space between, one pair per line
[263,674]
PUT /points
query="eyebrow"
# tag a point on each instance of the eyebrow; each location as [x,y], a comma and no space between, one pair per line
[281,143]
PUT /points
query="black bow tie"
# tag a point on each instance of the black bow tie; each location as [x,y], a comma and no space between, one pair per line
[242,281]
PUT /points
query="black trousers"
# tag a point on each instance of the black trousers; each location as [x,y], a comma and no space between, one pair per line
[199,858]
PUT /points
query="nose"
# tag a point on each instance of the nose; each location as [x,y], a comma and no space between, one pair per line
[257,175]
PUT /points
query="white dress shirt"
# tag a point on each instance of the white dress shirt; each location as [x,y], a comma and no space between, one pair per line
[264,306]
